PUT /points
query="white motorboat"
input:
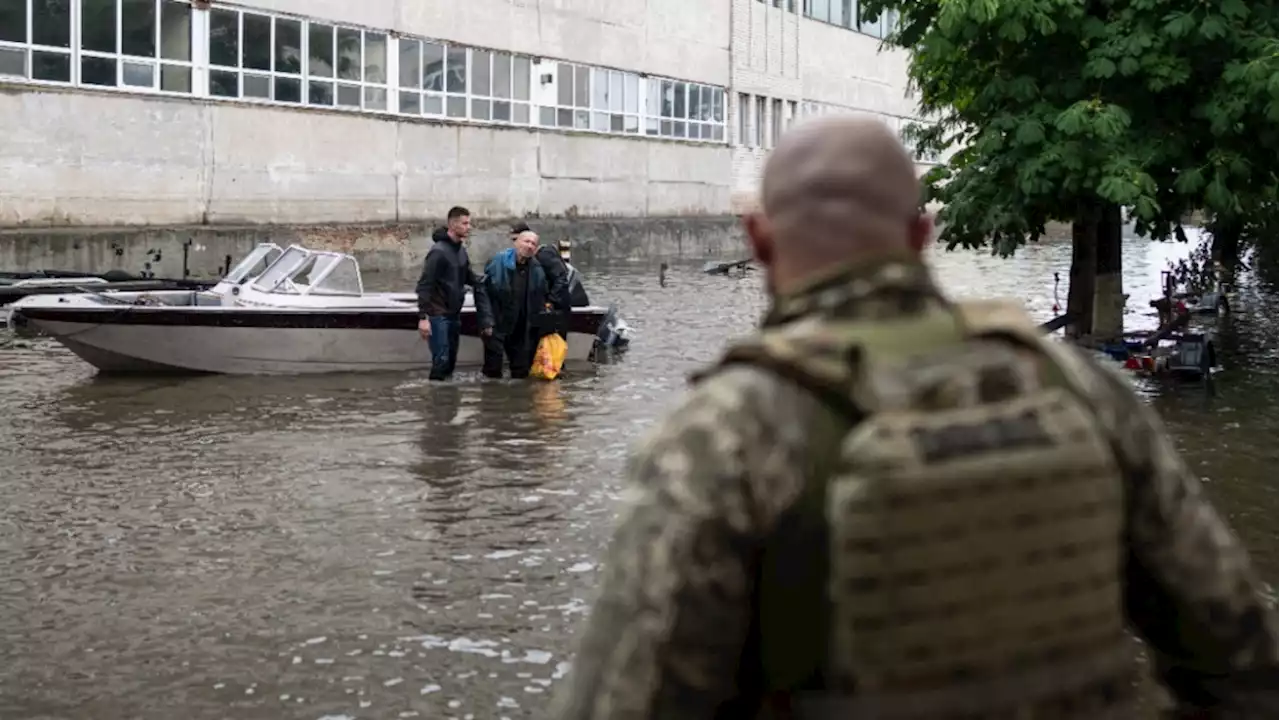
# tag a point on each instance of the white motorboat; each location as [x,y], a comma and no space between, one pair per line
[252,265]
[307,312]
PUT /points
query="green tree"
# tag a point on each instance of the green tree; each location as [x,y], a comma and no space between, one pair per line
[1062,110]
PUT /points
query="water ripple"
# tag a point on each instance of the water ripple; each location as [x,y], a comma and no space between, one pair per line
[384,547]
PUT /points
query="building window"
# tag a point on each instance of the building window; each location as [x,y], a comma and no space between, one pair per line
[169,46]
[433,79]
[845,14]
[758,123]
[500,87]
[122,44]
[686,110]
[792,113]
[261,57]
[573,99]
[777,122]
[35,40]
[615,101]
[744,127]
[346,67]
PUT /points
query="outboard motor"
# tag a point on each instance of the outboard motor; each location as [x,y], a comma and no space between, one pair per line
[613,338]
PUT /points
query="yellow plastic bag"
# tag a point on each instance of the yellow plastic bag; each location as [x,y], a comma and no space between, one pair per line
[549,358]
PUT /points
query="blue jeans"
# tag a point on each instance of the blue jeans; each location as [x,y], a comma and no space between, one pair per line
[445,335]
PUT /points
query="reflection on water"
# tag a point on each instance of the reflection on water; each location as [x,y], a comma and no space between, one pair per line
[381,546]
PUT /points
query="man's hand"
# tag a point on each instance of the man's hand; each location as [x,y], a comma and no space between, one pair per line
[424,329]
[486,332]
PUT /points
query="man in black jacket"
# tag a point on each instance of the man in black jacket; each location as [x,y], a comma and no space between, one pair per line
[442,290]
[527,288]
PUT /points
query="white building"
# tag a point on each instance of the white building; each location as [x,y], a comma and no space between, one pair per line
[169,112]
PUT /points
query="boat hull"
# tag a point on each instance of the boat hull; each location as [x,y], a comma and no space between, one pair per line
[236,341]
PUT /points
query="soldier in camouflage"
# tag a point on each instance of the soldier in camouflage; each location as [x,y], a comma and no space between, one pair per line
[890,505]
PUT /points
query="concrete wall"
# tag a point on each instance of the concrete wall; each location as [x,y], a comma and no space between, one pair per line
[687,39]
[203,251]
[159,161]
[782,55]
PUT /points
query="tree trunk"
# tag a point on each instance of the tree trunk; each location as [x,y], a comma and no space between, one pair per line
[1084,267]
[1226,246]
[1108,303]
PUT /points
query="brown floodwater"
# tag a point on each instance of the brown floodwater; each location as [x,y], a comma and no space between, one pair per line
[381,547]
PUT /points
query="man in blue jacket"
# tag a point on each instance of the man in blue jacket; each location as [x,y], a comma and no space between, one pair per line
[442,291]
[529,297]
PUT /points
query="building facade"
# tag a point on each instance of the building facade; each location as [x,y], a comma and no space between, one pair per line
[176,112]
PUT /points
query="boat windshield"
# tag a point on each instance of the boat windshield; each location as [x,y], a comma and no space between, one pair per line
[284,266]
[339,276]
[254,264]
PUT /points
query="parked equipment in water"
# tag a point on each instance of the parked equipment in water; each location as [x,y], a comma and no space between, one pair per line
[723,268]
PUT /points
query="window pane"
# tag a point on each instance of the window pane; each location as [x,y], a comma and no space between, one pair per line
[480,79]
[410,103]
[680,109]
[501,76]
[50,66]
[375,59]
[288,90]
[564,118]
[717,105]
[138,75]
[668,99]
[256,47]
[224,84]
[600,90]
[97,26]
[257,86]
[547,117]
[138,28]
[432,67]
[456,73]
[51,25]
[653,98]
[410,65]
[175,31]
[521,114]
[479,109]
[320,93]
[600,122]
[631,99]
[432,105]
[520,79]
[175,78]
[564,84]
[97,71]
[288,46]
[456,107]
[615,91]
[375,98]
[224,38]
[320,50]
[13,28]
[582,119]
[348,56]
[349,96]
[13,62]
[581,87]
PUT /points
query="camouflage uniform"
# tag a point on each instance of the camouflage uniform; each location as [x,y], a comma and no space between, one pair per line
[708,606]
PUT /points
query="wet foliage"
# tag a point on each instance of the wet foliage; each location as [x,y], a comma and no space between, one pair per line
[1159,106]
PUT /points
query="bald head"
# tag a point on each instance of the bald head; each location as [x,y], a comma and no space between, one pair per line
[836,190]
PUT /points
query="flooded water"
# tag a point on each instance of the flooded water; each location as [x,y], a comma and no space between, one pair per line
[381,547]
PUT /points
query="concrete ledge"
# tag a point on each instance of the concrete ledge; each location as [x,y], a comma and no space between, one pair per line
[379,247]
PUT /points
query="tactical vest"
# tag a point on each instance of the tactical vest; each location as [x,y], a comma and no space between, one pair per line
[968,513]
